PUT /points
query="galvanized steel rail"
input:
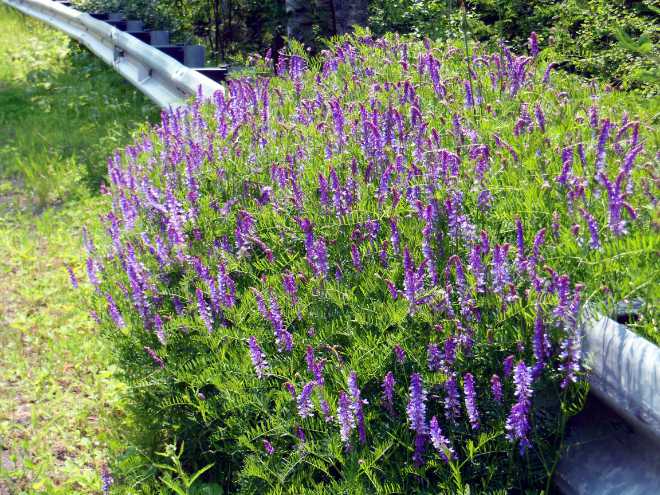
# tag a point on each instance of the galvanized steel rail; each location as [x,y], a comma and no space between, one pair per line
[167,82]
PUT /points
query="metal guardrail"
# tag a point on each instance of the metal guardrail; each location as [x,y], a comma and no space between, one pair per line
[167,82]
[624,372]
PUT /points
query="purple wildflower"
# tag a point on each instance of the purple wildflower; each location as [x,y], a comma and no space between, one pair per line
[451,402]
[258,358]
[289,284]
[345,418]
[159,330]
[204,311]
[600,149]
[357,405]
[434,357]
[355,258]
[106,479]
[592,224]
[416,408]
[540,117]
[439,441]
[388,392]
[500,271]
[496,388]
[158,361]
[72,276]
[400,354]
[114,312]
[282,336]
[304,401]
[471,400]
[268,447]
[533,44]
[394,238]
[517,424]
[508,365]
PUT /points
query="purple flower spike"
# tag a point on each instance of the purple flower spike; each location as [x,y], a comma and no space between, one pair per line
[106,479]
[496,388]
[508,365]
[258,358]
[439,441]
[533,44]
[289,284]
[72,276]
[114,313]
[204,311]
[356,405]
[434,357]
[517,424]
[416,409]
[345,418]
[268,447]
[452,404]
[400,354]
[471,400]
[388,392]
[304,401]
[356,258]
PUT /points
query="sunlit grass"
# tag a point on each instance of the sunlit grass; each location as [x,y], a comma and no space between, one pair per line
[62,113]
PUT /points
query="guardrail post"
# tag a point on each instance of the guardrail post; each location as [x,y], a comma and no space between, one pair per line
[194,56]
[160,38]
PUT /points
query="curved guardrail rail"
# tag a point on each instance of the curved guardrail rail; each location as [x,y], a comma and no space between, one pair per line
[624,372]
[164,80]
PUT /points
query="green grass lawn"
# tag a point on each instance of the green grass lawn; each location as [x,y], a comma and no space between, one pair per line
[62,112]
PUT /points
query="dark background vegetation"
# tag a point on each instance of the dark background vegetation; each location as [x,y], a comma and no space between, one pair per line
[583,36]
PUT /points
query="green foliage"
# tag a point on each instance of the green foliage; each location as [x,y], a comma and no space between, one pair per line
[193,387]
[62,111]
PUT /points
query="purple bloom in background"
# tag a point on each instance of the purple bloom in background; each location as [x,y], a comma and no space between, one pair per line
[154,357]
[508,365]
[546,74]
[533,44]
[72,276]
[355,258]
[540,117]
[434,357]
[204,311]
[289,284]
[114,313]
[304,401]
[600,149]
[439,441]
[416,408]
[345,418]
[283,338]
[159,330]
[471,400]
[416,412]
[258,358]
[592,224]
[496,388]
[540,344]
[91,272]
[400,354]
[517,423]
[357,405]
[388,391]
[106,479]
[394,238]
[268,447]
[451,402]
[469,98]
[325,409]
[500,270]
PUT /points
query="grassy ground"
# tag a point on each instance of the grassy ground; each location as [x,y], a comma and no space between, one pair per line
[61,113]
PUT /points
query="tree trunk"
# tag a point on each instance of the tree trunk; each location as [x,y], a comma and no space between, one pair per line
[349,13]
[299,21]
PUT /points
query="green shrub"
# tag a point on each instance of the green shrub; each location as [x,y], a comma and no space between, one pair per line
[314,276]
